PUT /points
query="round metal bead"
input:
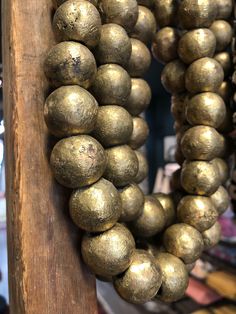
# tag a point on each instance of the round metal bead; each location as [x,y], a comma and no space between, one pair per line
[142,169]
[212,236]
[168,205]
[225,8]
[172,77]
[221,200]
[166,12]
[140,133]
[223,33]
[224,59]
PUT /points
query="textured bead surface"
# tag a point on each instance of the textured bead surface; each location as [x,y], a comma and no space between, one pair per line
[140,133]
[143,167]
[221,200]
[165,12]
[212,236]
[173,77]
[168,205]
[223,33]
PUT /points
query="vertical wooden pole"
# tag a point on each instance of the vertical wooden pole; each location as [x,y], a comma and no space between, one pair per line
[46,275]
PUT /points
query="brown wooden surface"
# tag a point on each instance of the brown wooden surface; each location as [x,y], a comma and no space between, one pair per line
[46,274]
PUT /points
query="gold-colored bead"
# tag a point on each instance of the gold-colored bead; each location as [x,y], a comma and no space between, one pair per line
[151,221]
[139,98]
[212,236]
[79,21]
[206,109]
[108,253]
[132,199]
[165,12]
[141,281]
[225,91]
[168,205]
[143,167]
[178,107]
[114,126]
[184,242]
[165,44]
[197,13]
[140,133]
[224,59]
[96,208]
[122,165]
[59,2]
[172,77]
[225,8]
[200,177]
[78,161]
[112,85]
[190,267]
[140,59]
[147,3]
[201,143]
[204,75]
[114,45]
[223,33]
[221,200]
[197,211]
[196,44]
[70,63]
[121,12]
[145,26]
[174,279]
[222,168]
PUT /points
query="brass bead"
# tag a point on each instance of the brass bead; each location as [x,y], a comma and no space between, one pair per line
[204,75]
[132,199]
[201,143]
[190,267]
[200,177]
[122,165]
[139,98]
[165,44]
[174,279]
[197,211]
[59,2]
[151,221]
[224,59]
[206,109]
[223,33]
[212,236]
[197,13]
[114,126]
[108,253]
[70,110]
[225,91]
[142,169]
[141,281]
[178,107]
[165,12]
[184,242]
[225,8]
[145,26]
[140,59]
[78,161]
[70,63]
[112,85]
[121,12]
[168,205]
[222,168]
[196,44]
[221,200]
[140,133]
[79,21]
[172,77]
[114,45]
[147,3]
[96,208]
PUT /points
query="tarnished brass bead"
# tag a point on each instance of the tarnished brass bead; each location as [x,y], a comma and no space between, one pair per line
[178,107]
[147,3]
[197,211]
[224,59]
[122,165]
[59,2]
[112,85]
[225,8]
[165,44]
[79,21]
[165,12]
[141,281]
[196,44]
[174,278]
[139,98]
[142,169]
[80,64]
[140,59]
[108,253]
[70,110]
[211,236]
[197,13]
[114,126]
[206,109]
[96,208]
[152,219]
[173,76]
[225,90]
[223,33]
[183,241]
[168,205]
[222,168]
[78,161]
[145,26]
[204,75]
[200,177]
[132,199]
[114,45]
[140,133]
[221,200]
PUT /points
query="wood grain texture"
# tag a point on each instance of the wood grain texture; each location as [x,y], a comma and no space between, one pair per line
[46,275]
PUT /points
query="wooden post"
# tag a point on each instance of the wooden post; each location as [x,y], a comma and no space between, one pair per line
[46,275]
